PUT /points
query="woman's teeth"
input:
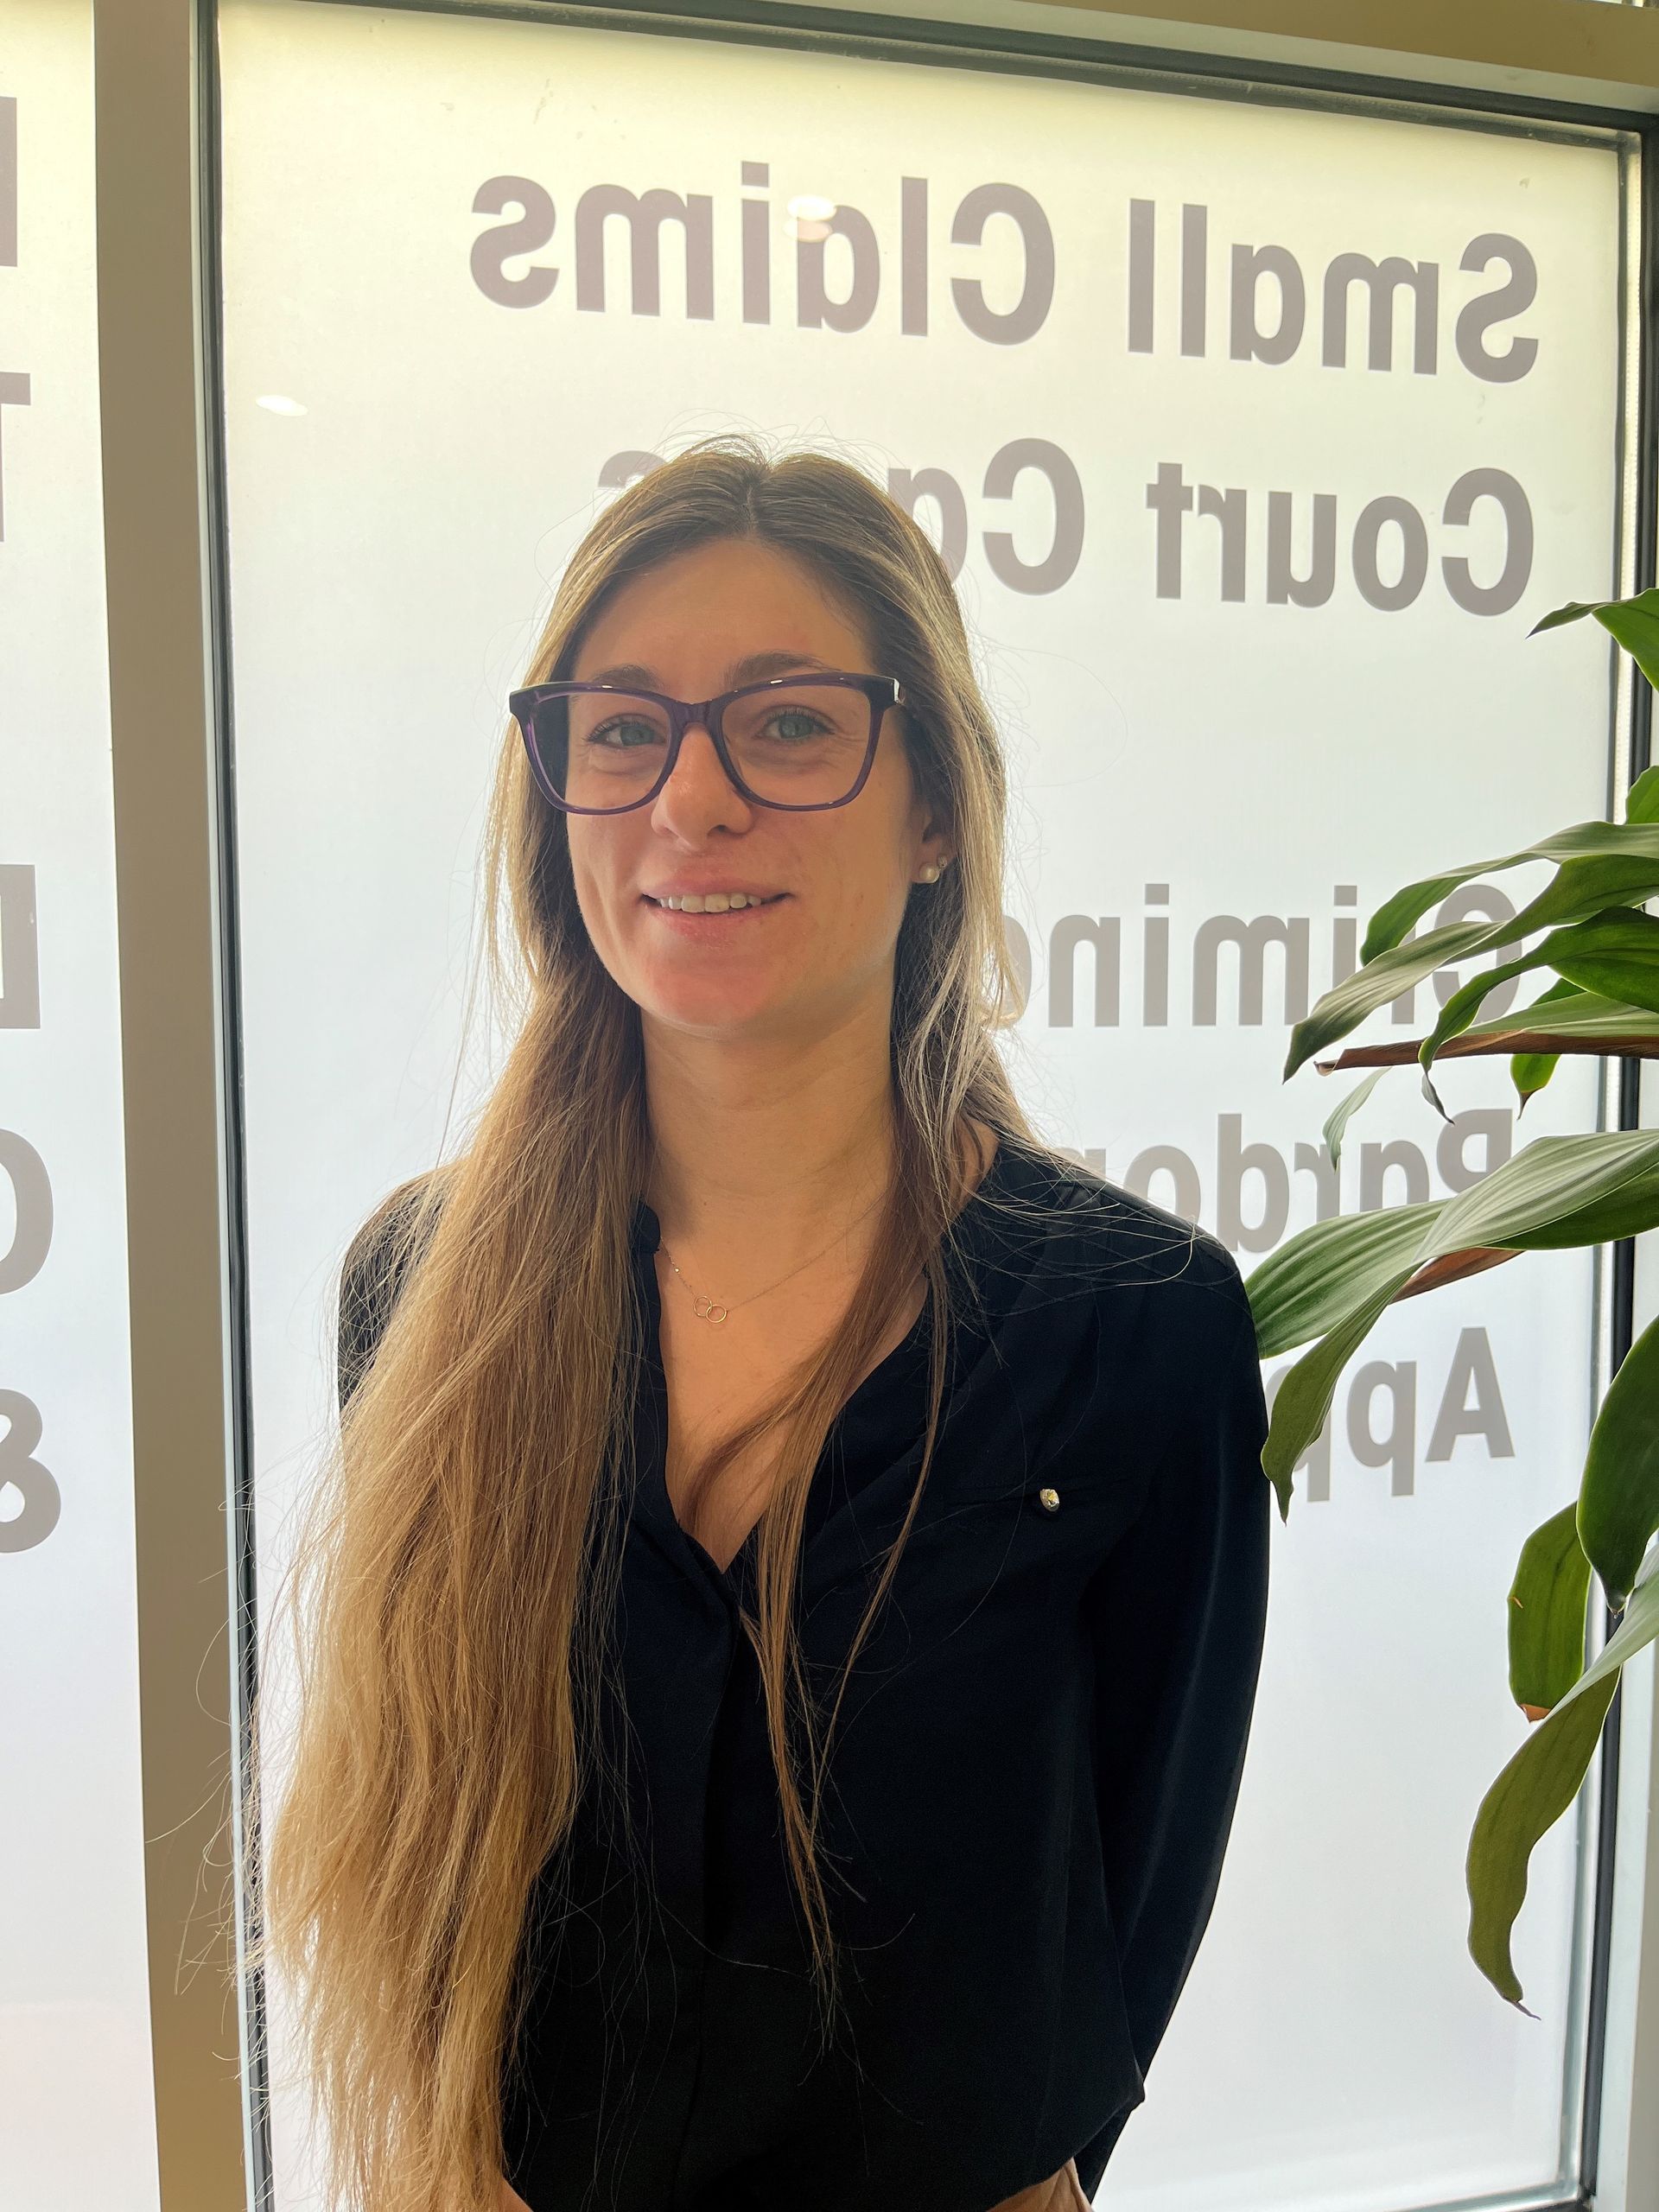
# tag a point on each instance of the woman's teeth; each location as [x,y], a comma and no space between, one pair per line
[717,902]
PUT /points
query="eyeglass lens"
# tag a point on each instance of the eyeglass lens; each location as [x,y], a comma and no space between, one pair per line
[802,746]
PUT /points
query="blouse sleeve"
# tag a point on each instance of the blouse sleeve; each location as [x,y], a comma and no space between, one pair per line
[1178,1616]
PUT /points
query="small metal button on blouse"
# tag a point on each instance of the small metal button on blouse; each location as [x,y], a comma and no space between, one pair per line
[1049,1500]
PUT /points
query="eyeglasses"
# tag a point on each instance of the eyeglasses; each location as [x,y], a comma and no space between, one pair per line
[797,742]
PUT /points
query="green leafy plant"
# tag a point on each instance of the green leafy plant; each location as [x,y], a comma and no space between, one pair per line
[1327,1286]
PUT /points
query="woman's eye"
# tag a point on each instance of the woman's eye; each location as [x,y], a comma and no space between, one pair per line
[620,727]
[794,722]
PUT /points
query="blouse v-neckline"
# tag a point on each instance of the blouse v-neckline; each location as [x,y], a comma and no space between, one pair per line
[886,1381]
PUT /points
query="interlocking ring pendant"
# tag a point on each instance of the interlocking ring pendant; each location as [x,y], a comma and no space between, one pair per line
[708,1311]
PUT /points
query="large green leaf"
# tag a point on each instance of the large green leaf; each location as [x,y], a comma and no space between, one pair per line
[1634,622]
[1614,953]
[1380,979]
[1564,1006]
[1303,1398]
[1530,1796]
[1619,1502]
[1609,864]
[1556,1192]
[1333,1278]
[1598,872]
[1325,1272]
[1574,610]
[1593,856]
[1641,800]
[1547,1610]
[1536,1788]
[1530,1072]
[1339,1117]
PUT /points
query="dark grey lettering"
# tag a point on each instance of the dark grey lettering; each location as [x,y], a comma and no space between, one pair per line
[1284,586]
[1249,341]
[815,309]
[908,487]
[528,235]
[645,215]
[1480,314]
[1024,320]
[1066,548]
[1491,484]
[1374,519]
[1383,279]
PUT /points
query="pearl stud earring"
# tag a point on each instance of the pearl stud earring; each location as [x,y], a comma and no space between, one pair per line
[929,875]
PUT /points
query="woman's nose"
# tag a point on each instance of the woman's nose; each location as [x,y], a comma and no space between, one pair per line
[698,746]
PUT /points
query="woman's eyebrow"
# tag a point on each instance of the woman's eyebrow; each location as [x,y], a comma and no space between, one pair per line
[754,668]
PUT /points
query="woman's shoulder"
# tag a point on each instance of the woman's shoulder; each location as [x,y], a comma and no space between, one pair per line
[384,1241]
[1122,1241]
[375,1266]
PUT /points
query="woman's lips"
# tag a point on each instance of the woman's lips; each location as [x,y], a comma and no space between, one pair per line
[733,918]
[749,898]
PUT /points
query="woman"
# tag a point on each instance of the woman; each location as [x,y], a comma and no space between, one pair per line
[788,1615]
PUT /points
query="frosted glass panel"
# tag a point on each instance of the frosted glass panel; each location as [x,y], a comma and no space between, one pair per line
[1260,437]
[74,2006]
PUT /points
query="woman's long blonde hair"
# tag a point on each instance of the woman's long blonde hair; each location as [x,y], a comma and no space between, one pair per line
[453,1588]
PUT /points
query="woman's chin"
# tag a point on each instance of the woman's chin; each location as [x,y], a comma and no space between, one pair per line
[710,1002]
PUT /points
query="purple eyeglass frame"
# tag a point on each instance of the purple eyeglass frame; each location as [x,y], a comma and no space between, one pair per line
[882,692]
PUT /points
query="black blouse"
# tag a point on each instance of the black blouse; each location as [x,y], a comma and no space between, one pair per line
[1033,1775]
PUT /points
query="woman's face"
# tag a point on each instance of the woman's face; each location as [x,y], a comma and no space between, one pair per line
[828,945]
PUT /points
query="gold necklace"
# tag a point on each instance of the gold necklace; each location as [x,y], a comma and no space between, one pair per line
[709,1310]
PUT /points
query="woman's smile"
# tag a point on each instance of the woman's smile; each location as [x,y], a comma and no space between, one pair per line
[712,921]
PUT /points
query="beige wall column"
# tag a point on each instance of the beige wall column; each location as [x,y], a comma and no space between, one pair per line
[154,428]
